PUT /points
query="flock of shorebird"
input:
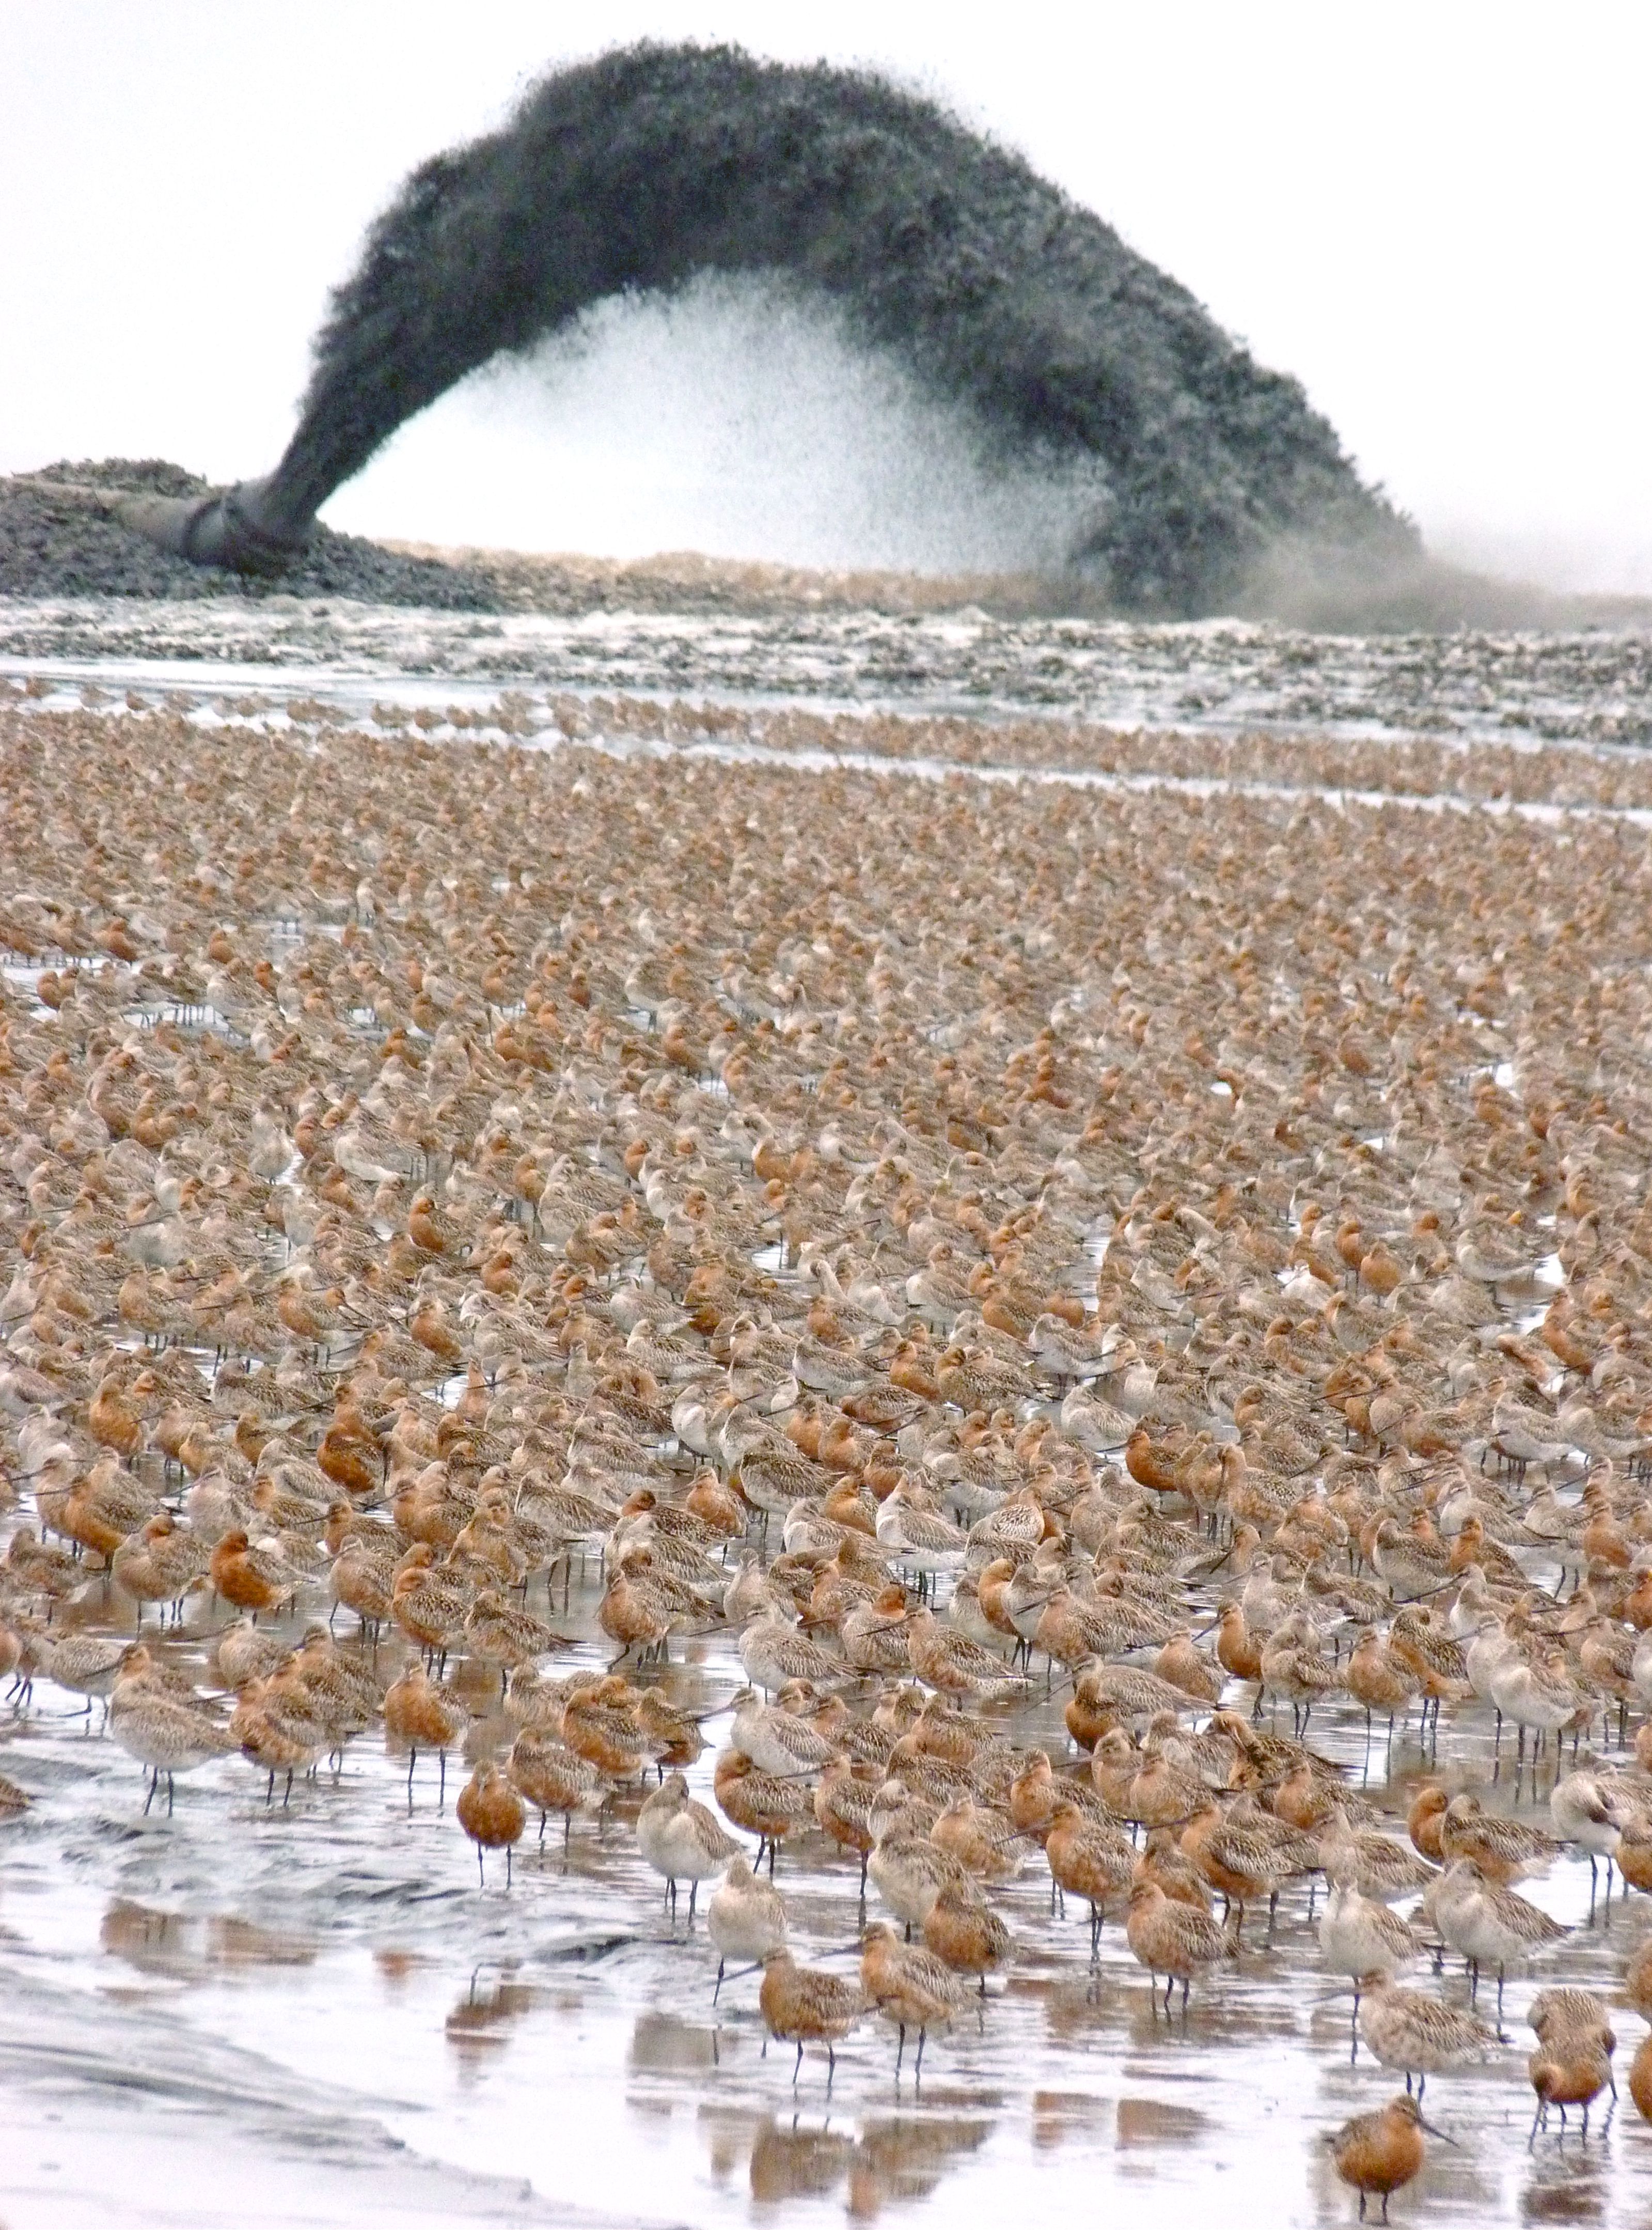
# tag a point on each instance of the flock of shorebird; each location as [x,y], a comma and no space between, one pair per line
[1167,1262]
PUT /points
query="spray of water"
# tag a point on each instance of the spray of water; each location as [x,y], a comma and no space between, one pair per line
[1172,464]
[737,417]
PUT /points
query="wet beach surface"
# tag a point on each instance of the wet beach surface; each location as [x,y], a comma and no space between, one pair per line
[1223,676]
[312,2012]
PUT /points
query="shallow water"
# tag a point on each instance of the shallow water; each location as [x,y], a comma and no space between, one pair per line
[287,1997]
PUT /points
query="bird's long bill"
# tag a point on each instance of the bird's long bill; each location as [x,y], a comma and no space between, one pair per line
[1444,2136]
[734,1973]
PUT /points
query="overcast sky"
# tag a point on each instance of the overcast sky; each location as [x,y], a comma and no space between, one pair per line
[1438,216]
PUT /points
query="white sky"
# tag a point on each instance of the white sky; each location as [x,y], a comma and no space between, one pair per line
[1438,216]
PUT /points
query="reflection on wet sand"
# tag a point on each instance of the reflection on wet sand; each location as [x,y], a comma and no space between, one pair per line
[181,1947]
[1058,2114]
[396,1965]
[904,2157]
[1565,2190]
[662,2045]
[789,2160]
[889,2160]
[489,2007]
[1154,2122]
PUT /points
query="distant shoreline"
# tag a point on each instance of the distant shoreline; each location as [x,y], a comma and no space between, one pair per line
[58,537]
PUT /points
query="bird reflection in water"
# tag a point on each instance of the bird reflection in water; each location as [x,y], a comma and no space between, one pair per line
[183,1947]
[484,2015]
[895,2159]
[662,2045]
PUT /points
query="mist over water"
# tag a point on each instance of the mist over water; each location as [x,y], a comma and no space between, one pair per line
[742,417]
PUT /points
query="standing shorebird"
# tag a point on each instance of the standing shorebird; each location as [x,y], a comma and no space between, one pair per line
[1572,2064]
[161,1732]
[1383,1866]
[1425,1820]
[493,1815]
[1093,1860]
[1381,2153]
[424,1714]
[1640,2079]
[775,1740]
[1570,2069]
[1417,2034]
[773,1652]
[962,1928]
[744,1917]
[953,1664]
[1488,1924]
[86,1664]
[1245,1853]
[910,1987]
[1504,1850]
[909,1872]
[1380,1681]
[1174,1939]
[1360,1934]
[680,1840]
[843,1807]
[549,1775]
[1588,1811]
[1637,1980]
[805,2004]
[766,1805]
[1296,1667]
